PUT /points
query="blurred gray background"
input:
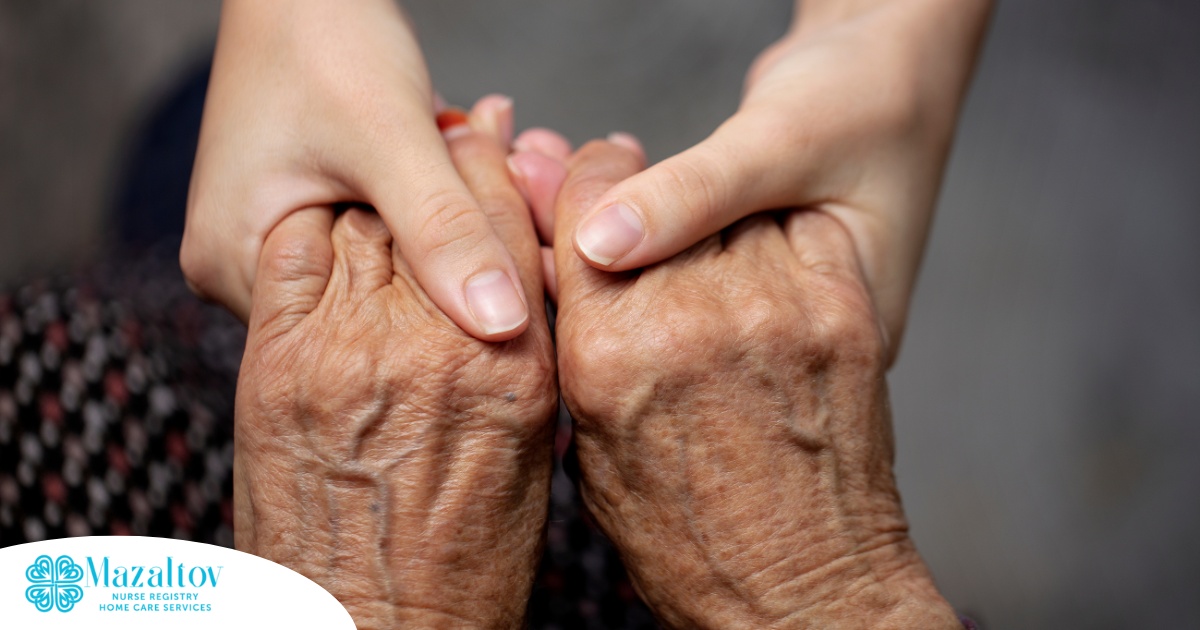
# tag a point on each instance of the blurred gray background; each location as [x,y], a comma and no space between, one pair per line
[1048,396]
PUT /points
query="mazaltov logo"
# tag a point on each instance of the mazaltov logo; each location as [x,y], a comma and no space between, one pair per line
[54,583]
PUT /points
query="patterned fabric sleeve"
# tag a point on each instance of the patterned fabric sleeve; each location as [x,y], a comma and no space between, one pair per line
[115,410]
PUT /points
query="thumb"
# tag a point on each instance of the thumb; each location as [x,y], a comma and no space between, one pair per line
[741,169]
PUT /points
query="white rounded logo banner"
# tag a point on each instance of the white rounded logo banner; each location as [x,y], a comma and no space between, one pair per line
[131,582]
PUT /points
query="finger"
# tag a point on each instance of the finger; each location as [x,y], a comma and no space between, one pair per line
[480,159]
[629,141]
[545,141]
[293,269]
[739,170]
[591,172]
[444,235]
[493,114]
[362,253]
[822,244]
[538,178]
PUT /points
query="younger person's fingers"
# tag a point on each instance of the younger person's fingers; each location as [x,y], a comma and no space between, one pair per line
[226,287]
[215,277]
[480,160]
[445,237]
[293,269]
[739,170]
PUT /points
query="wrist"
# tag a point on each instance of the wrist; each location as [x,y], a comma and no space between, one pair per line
[898,601]
[838,577]
[280,12]
[812,15]
[847,598]
[321,28]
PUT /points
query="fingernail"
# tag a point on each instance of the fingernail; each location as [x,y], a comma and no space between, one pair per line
[610,234]
[495,303]
[504,117]
[627,140]
[453,123]
[517,175]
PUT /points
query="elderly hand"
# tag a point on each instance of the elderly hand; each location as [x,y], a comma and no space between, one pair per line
[381,451]
[732,422]
[316,102]
[852,111]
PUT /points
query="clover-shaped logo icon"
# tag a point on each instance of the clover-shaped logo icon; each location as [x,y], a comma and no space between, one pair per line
[53,583]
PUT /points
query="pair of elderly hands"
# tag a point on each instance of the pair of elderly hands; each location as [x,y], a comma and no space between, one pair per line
[733,429]
[725,367]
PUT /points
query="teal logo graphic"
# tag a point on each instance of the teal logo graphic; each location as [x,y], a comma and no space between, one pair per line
[54,584]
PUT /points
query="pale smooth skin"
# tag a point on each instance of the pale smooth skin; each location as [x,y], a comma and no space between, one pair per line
[318,101]
[315,102]
[852,111]
[381,451]
[732,422]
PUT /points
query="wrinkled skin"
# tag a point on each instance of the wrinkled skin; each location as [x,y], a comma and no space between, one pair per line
[382,451]
[732,423]
[316,102]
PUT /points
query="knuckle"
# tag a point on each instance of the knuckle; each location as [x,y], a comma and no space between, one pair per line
[507,387]
[366,230]
[292,257]
[843,324]
[600,157]
[596,368]
[532,391]
[583,191]
[763,316]
[612,369]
